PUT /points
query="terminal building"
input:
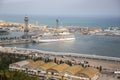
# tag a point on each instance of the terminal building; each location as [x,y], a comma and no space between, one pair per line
[75,72]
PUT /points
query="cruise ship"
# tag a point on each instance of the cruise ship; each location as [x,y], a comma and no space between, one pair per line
[55,36]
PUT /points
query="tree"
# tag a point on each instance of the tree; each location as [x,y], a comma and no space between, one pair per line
[100,68]
[68,62]
[55,60]
[61,62]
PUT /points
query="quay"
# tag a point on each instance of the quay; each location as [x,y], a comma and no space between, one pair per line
[15,41]
[24,51]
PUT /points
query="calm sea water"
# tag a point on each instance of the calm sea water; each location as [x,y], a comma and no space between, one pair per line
[65,21]
[85,44]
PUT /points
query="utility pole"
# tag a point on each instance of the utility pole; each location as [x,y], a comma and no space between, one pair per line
[57,23]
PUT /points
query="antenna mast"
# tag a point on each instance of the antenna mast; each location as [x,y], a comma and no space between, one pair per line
[57,23]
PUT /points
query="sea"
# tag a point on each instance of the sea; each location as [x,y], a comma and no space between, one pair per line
[85,44]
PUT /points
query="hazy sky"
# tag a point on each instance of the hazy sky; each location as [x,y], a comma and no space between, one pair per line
[61,7]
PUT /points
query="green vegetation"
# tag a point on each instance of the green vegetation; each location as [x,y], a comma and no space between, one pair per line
[99,68]
[15,75]
[5,74]
[55,60]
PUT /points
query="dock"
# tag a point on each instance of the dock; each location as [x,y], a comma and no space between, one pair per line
[19,41]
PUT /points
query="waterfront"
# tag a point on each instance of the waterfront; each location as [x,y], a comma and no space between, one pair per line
[85,44]
[94,54]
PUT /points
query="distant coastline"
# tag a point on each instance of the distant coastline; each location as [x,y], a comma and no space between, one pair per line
[65,20]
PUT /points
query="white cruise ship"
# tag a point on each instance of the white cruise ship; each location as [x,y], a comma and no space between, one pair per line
[55,36]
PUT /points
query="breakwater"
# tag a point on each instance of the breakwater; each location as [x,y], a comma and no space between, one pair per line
[24,51]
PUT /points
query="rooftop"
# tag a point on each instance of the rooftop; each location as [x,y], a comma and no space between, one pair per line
[48,65]
[22,63]
[90,71]
[35,64]
[74,69]
[60,67]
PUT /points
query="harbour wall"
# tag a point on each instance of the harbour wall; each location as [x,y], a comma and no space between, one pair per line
[15,41]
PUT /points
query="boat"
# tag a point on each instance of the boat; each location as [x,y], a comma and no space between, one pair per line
[52,37]
[4,30]
[100,33]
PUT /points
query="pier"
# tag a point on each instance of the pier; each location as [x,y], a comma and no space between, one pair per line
[15,41]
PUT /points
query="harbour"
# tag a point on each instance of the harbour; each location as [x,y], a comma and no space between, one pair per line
[86,41]
[59,40]
[60,44]
[87,44]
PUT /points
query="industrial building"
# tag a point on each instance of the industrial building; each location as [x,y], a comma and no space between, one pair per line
[75,72]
